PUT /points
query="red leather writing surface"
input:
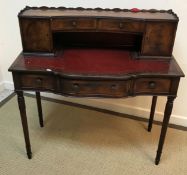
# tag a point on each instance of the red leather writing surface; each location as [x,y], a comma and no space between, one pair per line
[94,61]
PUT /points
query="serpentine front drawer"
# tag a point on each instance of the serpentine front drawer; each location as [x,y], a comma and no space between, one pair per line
[105,88]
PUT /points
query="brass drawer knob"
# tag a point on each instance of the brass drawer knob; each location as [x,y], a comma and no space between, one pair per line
[76,87]
[121,25]
[74,23]
[38,81]
[152,85]
[114,87]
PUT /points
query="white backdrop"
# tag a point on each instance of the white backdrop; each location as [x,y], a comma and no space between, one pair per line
[10,46]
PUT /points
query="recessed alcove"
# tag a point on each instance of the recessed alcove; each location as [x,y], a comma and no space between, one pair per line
[126,41]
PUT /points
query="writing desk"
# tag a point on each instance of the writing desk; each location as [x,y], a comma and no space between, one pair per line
[81,69]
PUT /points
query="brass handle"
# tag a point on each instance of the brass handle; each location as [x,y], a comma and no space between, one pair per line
[152,85]
[74,23]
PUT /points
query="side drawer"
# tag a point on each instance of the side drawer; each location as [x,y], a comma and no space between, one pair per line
[120,25]
[95,88]
[34,81]
[73,24]
[152,85]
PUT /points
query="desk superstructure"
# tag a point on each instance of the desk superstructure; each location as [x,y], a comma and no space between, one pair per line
[149,33]
[97,52]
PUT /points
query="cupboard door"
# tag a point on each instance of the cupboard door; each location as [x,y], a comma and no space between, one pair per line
[36,35]
[158,39]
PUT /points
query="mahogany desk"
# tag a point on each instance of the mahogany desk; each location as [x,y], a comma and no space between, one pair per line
[97,52]
[96,72]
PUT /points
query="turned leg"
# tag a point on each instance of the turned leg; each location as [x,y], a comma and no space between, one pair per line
[167,114]
[21,104]
[38,99]
[154,100]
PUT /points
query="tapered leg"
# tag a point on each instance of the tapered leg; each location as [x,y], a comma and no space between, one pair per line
[21,103]
[154,100]
[38,99]
[167,114]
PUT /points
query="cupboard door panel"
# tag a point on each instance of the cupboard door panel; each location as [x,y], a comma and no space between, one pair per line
[36,35]
[159,38]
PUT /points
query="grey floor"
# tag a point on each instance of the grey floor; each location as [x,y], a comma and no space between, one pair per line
[77,141]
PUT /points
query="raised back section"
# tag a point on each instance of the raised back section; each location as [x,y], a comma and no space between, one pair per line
[148,33]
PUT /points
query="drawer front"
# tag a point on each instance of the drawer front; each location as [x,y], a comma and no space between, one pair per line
[73,24]
[41,82]
[95,88]
[152,85]
[120,25]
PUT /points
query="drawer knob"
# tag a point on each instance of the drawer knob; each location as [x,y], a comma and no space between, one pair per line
[39,81]
[152,85]
[121,25]
[114,86]
[76,87]
[74,23]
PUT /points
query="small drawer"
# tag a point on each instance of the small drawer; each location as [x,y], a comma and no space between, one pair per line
[73,24]
[152,85]
[95,88]
[120,25]
[42,82]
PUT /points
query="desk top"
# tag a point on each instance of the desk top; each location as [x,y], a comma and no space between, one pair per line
[96,63]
